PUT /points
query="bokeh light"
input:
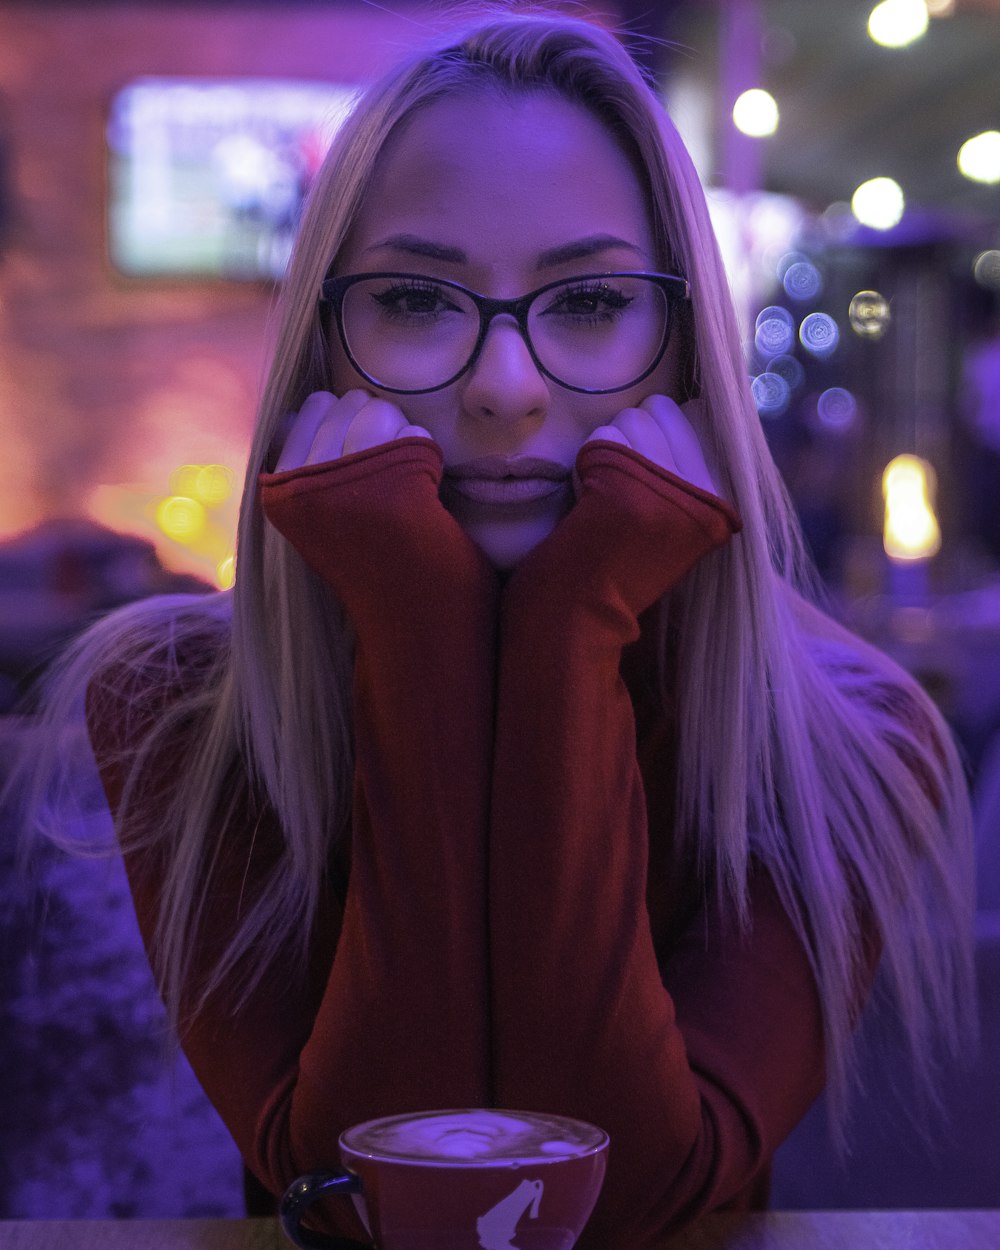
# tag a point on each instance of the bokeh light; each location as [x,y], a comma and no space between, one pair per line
[895,23]
[183,480]
[819,334]
[879,203]
[181,518]
[774,332]
[911,530]
[979,157]
[771,394]
[790,368]
[756,113]
[213,484]
[986,269]
[837,408]
[869,314]
[225,573]
[210,484]
[802,280]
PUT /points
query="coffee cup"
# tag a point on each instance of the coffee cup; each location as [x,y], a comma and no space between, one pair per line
[459,1180]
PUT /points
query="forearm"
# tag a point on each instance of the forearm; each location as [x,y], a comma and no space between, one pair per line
[583,1024]
[403,1021]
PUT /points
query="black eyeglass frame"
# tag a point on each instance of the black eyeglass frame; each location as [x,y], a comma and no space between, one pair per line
[333,290]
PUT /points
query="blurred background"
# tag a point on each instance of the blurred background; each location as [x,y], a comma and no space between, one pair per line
[153,162]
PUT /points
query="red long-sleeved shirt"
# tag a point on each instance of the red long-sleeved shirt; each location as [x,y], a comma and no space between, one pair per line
[516,930]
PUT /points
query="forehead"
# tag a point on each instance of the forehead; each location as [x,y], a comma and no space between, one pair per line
[502,179]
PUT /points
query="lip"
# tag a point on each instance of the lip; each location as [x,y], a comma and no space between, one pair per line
[506,480]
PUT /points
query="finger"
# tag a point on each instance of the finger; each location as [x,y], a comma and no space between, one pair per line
[685,445]
[609,434]
[331,435]
[646,437]
[317,430]
[301,430]
[377,422]
[414,431]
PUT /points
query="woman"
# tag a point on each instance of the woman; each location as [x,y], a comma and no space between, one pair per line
[517,769]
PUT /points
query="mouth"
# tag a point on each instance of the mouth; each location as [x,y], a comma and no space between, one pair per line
[506,479]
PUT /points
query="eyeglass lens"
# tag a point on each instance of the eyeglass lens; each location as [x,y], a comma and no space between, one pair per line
[412,333]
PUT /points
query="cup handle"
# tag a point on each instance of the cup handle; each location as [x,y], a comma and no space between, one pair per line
[302,1193]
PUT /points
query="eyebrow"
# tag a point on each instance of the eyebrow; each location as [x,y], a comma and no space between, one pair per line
[579,249]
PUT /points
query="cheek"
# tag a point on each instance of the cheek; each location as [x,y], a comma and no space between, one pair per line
[671,377]
[430,411]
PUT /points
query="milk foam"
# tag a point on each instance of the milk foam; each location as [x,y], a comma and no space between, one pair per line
[476,1136]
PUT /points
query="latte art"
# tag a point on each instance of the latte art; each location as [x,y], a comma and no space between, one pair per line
[475,1138]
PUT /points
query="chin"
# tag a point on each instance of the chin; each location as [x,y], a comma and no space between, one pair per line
[505,546]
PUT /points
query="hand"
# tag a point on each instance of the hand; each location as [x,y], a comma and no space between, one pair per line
[663,432]
[327,427]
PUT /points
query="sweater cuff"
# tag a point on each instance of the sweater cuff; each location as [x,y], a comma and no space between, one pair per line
[631,464]
[416,453]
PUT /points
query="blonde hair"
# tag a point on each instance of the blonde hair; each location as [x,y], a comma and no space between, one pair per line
[798,744]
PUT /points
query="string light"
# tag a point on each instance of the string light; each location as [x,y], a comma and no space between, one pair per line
[879,203]
[979,157]
[896,23]
[756,113]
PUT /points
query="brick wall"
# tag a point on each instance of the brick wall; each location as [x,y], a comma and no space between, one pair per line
[106,379]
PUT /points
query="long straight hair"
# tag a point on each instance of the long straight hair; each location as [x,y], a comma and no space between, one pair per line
[799,745]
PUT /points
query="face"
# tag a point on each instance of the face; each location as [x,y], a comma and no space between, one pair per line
[503,196]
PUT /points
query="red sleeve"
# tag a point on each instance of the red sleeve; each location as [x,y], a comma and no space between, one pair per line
[397,1018]
[694,1084]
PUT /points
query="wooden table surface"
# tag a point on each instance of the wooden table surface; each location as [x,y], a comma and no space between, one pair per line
[779,1230]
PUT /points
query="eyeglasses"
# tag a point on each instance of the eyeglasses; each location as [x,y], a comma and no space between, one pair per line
[595,333]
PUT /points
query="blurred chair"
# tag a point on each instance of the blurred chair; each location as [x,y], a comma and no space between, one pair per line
[98,1120]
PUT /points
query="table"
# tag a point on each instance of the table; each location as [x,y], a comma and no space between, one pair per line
[777,1230]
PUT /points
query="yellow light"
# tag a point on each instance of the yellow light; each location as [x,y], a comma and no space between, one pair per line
[213,484]
[181,518]
[210,484]
[878,203]
[225,573]
[869,314]
[895,23]
[979,157]
[183,480]
[941,8]
[911,530]
[756,113]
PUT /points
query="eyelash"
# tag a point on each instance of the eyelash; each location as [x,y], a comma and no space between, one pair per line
[614,302]
[610,303]
[390,297]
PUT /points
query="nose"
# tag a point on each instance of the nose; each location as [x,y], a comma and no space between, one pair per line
[505,386]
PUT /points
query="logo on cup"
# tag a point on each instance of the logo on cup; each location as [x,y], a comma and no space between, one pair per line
[496,1228]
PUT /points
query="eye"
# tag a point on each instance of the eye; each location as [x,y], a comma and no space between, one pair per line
[588,302]
[415,300]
